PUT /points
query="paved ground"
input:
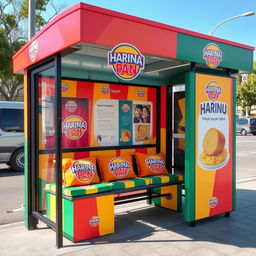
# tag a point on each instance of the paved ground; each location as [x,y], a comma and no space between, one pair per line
[146,230]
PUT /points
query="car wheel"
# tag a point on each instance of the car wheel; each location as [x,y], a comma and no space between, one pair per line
[244,132]
[254,133]
[17,160]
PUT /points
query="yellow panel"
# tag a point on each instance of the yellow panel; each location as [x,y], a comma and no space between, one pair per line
[152,151]
[69,88]
[204,190]
[105,206]
[163,140]
[53,208]
[170,204]
[26,106]
[129,184]
[137,93]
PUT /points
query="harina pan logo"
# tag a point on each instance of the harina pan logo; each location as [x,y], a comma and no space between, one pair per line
[119,167]
[74,127]
[94,221]
[33,50]
[213,202]
[213,90]
[126,61]
[212,55]
[84,170]
[125,108]
[155,164]
[71,106]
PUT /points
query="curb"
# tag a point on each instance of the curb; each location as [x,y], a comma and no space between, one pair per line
[11,225]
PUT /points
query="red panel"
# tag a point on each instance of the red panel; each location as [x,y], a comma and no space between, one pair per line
[58,35]
[141,150]
[163,106]
[84,89]
[118,152]
[80,155]
[152,98]
[103,29]
[83,211]
[119,92]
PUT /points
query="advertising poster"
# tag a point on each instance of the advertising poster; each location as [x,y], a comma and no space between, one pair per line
[106,120]
[125,122]
[75,117]
[142,121]
[213,145]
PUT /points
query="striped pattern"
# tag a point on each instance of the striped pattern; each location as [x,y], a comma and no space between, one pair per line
[84,218]
[160,179]
[131,183]
[82,190]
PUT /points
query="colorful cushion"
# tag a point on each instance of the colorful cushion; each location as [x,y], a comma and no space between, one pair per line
[79,172]
[149,165]
[116,168]
[82,190]
[131,183]
[160,179]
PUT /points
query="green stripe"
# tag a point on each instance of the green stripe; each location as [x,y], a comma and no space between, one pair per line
[48,206]
[26,184]
[190,97]
[190,48]
[138,182]
[68,219]
[234,145]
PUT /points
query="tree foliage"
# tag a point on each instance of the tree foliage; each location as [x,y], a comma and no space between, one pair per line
[246,92]
[13,35]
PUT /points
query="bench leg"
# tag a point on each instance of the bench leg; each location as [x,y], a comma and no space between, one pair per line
[172,201]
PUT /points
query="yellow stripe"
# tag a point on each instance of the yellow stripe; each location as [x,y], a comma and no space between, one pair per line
[25,107]
[53,208]
[105,206]
[164,179]
[170,204]
[91,190]
[204,190]
[163,140]
[129,184]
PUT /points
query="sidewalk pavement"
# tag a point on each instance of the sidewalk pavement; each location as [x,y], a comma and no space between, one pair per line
[146,230]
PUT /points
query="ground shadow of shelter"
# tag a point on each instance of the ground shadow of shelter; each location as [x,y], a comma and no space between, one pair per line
[138,224]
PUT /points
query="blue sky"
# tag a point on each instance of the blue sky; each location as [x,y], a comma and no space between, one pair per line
[196,15]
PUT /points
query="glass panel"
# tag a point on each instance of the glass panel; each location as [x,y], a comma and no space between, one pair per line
[46,91]
[46,141]
[178,140]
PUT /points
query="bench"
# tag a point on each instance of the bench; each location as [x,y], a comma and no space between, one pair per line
[88,211]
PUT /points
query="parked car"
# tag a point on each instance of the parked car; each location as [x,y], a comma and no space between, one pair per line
[12,134]
[246,125]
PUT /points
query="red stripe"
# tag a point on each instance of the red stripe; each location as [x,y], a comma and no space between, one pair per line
[80,155]
[163,106]
[118,152]
[84,210]
[141,150]
[84,89]
[119,92]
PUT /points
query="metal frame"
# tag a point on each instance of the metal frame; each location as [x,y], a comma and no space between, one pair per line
[34,214]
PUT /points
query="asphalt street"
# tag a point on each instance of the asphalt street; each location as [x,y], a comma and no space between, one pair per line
[12,183]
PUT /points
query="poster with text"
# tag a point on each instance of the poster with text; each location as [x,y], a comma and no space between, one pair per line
[214,145]
[106,120]
[75,117]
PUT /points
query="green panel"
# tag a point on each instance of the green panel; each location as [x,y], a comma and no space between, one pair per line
[26,185]
[48,208]
[190,147]
[68,219]
[234,145]
[190,48]
[156,201]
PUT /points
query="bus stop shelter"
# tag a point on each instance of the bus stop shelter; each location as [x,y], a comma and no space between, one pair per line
[87,62]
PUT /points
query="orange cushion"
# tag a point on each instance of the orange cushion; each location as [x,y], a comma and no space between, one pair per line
[149,165]
[79,172]
[116,168]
